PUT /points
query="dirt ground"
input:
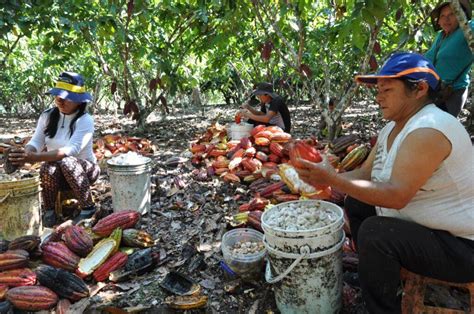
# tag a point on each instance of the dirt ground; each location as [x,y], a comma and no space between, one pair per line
[190,221]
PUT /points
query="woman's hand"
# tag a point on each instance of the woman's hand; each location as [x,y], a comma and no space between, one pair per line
[245,106]
[18,156]
[244,113]
[316,174]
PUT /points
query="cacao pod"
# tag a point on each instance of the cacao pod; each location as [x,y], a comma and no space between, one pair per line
[230,177]
[250,152]
[123,219]
[355,158]
[276,149]
[195,148]
[116,261]
[96,257]
[302,150]
[28,243]
[137,238]
[266,50]
[262,141]
[258,203]
[78,240]
[13,259]
[341,143]
[257,129]
[254,220]
[306,70]
[281,137]
[268,190]
[18,277]
[265,133]
[273,158]
[261,156]
[245,143]
[32,298]
[57,254]
[373,63]
[242,173]
[377,48]
[113,87]
[234,163]
[6,307]
[187,302]
[63,283]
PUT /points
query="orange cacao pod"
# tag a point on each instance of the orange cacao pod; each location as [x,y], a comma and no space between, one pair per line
[274,158]
[230,177]
[18,277]
[123,219]
[257,129]
[265,133]
[280,137]
[276,149]
[263,141]
[13,259]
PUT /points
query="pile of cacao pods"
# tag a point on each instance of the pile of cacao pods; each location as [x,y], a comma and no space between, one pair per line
[69,257]
[257,161]
[113,144]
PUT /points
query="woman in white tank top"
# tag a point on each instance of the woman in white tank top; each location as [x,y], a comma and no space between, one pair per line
[411,204]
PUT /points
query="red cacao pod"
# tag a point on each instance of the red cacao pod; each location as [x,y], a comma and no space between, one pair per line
[123,219]
[13,259]
[78,240]
[32,298]
[57,254]
[116,261]
[18,277]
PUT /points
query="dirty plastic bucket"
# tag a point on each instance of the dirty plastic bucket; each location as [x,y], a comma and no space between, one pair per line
[130,186]
[20,208]
[305,267]
[241,130]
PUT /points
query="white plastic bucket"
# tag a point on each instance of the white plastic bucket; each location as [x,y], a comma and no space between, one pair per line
[241,130]
[130,186]
[20,208]
[306,266]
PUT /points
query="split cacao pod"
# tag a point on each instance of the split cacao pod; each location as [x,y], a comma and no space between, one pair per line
[245,143]
[57,254]
[96,257]
[274,129]
[78,240]
[116,261]
[123,219]
[137,238]
[265,133]
[18,277]
[28,243]
[63,283]
[302,150]
[13,259]
[32,298]
[250,152]
[261,156]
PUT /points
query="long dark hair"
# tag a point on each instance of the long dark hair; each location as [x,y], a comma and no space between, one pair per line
[54,116]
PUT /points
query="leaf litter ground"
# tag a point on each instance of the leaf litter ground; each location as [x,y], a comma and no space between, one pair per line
[189,221]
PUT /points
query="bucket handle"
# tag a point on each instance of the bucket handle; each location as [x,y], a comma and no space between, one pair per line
[5,198]
[304,253]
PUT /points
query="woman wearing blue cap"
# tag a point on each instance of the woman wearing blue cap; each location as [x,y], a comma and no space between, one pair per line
[63,141]
[410,204]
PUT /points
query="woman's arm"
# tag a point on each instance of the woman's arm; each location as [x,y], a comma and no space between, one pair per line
[419,156]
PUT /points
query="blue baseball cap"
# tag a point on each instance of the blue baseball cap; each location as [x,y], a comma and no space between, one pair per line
[405,64]
[70,86]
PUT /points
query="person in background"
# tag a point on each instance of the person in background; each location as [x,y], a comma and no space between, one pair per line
[63,142]
[326,118]
[273,110]
[451,56]
[411,203]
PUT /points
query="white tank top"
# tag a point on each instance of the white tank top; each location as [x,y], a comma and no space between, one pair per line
[446,201]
